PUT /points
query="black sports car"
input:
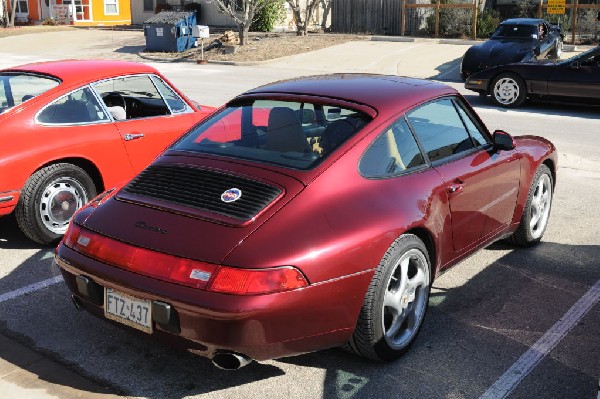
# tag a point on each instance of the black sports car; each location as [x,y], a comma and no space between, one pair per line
[515,40]
[575,79]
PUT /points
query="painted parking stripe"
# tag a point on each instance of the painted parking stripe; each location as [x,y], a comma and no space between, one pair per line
[540,349]
[30,288]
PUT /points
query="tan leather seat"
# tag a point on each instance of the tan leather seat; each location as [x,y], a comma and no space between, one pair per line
[284,132]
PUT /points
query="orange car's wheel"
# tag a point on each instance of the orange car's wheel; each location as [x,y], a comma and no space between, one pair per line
[394,307]
[50,198]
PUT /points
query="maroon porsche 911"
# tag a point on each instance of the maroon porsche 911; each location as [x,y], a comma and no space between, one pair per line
[307,214]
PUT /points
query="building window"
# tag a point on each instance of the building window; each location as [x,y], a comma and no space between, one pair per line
[111,7]
[21,7]
[148,5]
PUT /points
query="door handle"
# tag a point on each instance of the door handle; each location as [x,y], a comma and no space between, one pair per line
[133,136]
[454,189]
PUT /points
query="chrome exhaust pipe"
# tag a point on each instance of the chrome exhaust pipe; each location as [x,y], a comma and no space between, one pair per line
[76,302]
[230,360]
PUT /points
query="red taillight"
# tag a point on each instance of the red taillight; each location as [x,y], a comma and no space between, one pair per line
[144,261]
[257,281]
[183,271]
[71,235]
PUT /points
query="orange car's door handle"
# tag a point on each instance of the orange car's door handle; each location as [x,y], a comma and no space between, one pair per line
[133,136]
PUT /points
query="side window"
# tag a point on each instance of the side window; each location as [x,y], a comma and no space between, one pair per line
[175,102]
[16,88]
[440,129]
[478,138]
[392,152]
[79,106]
[132,97]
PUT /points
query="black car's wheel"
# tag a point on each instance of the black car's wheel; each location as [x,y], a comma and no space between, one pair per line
[508,90]
[537,209]
[396,301]
[50,198]
[558,49]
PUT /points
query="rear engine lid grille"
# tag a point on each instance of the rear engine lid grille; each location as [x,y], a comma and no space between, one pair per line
[214,191]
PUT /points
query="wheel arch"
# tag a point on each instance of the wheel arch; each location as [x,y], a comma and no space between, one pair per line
[88,166]
[425,235]
[550,164]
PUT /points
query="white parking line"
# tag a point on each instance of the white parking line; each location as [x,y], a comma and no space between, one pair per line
[519,370]
[30,288]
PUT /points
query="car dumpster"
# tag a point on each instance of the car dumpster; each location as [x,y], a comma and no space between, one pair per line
[170,31]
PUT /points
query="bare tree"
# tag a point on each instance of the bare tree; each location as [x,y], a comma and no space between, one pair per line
[242,12]
[13,12]
[6,19]
[303,16]
[326,4]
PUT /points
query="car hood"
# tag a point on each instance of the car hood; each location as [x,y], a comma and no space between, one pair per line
[178,205]
[498,52]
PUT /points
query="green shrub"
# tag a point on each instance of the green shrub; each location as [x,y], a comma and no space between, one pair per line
[266,19]
[487,21]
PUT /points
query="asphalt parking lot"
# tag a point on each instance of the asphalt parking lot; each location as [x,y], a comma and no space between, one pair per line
[510,322]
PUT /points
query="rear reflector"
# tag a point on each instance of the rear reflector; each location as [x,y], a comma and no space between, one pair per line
[189,272]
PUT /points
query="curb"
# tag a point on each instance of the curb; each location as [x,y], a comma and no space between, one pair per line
[404,39]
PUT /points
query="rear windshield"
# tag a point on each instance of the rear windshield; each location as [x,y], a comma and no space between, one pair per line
[516,31]
[16,88]
[292,134]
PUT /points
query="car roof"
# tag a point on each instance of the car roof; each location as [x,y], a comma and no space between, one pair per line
[376,91]
[522,21]
[79,71]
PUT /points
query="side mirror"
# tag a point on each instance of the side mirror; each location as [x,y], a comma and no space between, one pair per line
[536,51]
[503,141]
[490,34]
[575,65]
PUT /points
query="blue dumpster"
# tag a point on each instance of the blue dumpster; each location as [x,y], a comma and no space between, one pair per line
[170,31]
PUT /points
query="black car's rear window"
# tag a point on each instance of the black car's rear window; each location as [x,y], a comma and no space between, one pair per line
[515,31]
[17,87]
[292,134]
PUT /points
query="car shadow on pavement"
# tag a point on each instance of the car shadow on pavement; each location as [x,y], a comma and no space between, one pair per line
[130,49]
[471,336]
[586,111]
[51,330]
[474,332]
[448,71]
[11,237]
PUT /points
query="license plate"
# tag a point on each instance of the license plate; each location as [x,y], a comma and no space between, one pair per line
[131,311]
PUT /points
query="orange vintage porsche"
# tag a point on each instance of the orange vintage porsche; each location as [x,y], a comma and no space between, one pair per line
[69,129]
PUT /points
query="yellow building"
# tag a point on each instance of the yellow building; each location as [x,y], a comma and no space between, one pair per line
[76,12]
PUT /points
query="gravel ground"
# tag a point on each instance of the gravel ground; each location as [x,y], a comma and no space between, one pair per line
[260,47]
[25,30]
[263,46]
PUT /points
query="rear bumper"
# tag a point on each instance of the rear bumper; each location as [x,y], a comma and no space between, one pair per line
[259,326]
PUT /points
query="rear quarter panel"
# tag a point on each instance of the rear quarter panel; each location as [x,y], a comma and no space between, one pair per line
[536,151]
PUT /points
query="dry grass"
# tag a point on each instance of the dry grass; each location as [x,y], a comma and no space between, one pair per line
[265,46]
[25,30]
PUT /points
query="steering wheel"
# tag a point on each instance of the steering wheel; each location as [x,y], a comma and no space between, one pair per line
[114,99]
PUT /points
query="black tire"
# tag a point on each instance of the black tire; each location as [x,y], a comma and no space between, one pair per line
[537,209]
[49,199]
[393,302]
[508,90]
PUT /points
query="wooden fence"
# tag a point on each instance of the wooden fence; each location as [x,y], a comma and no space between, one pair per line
[397,17]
